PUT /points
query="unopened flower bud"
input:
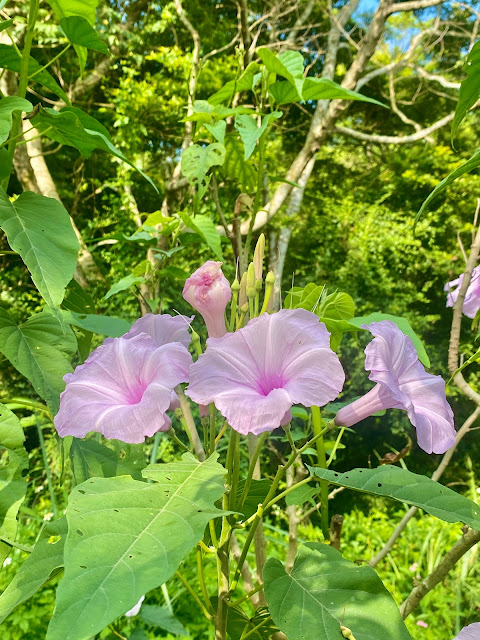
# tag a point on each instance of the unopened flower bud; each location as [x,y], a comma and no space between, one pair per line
[208,291]
[242,297]
[258,257]
[251,281]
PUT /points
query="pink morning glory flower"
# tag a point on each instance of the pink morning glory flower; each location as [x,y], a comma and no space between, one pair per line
[472,632]
[123,389]
[471,303]
[208,291]
[256,374]
[163,328]
[403,383]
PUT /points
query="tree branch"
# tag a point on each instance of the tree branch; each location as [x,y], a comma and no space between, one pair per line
[414,137]
[414,5]
[459,549]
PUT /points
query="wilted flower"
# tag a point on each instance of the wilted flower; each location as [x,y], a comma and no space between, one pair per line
[134,611]
[403,383]
[208,291]
[163,328]
[471,303]
[123,389]
[256,374]
[472,632]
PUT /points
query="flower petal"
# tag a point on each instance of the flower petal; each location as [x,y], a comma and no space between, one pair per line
[163,328]
[250,412]
[472,632]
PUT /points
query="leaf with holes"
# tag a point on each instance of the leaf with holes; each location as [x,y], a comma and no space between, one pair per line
[325,592]
[408,487]
[11,60]
[141,531]
[469,89]
[45,560]
[7,106]
[197,161]
[41,349]
[13,486]
[39,229]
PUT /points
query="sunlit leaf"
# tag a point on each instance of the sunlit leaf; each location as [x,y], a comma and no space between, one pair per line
[13,486]
[325,592]
[325,89]
[79,31]
[469,89]
[123,284]
[206,229]
[8,105]
[105,325]
[408,487]
[45,559]
[141,531]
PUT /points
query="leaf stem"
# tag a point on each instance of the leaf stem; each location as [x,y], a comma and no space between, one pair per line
[322,463]
[190,424]
[47,469]
[251,469]
[50,62]
[201,577]
[194,595]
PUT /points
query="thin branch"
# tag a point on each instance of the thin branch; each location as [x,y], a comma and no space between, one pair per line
[414,5]
[414,137]
[459,549]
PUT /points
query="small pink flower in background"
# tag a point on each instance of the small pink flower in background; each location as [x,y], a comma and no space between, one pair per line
[134,611]
[208,291]
[403,383]
[472,632]
[471,303]
[123,389]
[413,567]
[423,624]
[256,374]
[163,328]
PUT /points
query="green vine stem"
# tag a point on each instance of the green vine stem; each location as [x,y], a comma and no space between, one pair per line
[322,463]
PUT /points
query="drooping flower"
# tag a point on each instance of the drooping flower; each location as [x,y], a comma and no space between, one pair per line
[256,374]
[163,328]
[471,303]
[123,389]
[403,383]
[208,291]
[472,632]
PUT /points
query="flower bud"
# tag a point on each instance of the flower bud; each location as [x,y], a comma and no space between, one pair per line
[258,257]
[251,281]
[208,291]
[242,298]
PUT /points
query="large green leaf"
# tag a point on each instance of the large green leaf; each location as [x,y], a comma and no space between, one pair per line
[106,325]
[325,89]
[162,617]
[79,31]
[72,127]
[405,486]
[45,559]
[206,229]
[283,92]
[466,167]
[250,132]
[10,59]
[288,64]
[92,459]
[78,301]
[6,164]
[40,230]
[325,592]
[40,349]
[140,531]
[469,89]
[196,162]
[7,106]
[13,486]
[404,326]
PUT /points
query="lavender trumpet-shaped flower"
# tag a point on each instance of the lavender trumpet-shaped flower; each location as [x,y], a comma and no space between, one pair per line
[403,383]
[208,291]
[123,389]
[256,374]
[471,304]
